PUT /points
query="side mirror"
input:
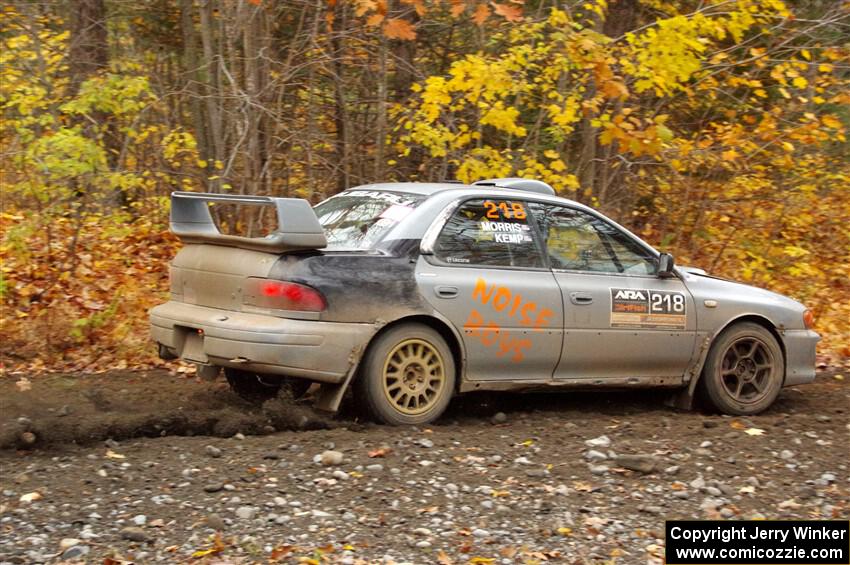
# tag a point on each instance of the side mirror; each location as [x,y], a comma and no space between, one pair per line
[665,264]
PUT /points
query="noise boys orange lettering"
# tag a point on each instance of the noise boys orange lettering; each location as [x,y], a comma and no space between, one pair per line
[502,299]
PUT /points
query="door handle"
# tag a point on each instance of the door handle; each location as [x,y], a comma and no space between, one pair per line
[581,298]
[446,291]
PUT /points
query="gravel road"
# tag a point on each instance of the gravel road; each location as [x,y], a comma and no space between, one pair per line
[565,478]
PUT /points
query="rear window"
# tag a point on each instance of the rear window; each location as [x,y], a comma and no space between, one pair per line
[360,219]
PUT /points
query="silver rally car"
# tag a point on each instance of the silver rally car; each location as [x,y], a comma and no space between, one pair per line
[413,292]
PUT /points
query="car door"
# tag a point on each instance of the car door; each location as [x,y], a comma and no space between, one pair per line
[486,273]
[621,321]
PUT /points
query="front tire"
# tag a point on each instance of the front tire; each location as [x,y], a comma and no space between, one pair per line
[744,370]
[256,388]
[407,376]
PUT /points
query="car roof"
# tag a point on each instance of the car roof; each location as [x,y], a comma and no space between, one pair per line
[422,188]
[432,188]
[440,194]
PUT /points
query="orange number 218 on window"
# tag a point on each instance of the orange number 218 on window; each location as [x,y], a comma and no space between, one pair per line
[502,210]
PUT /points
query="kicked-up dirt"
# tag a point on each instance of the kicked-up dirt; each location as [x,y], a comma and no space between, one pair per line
[62,410]
[153,468]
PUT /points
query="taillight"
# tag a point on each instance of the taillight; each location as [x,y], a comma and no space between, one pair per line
[808,319]
[283,295]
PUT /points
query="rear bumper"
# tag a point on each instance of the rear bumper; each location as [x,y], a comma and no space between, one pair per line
[799,356]
[320,351]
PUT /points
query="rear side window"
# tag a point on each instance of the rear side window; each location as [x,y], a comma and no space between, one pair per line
[492,232]
[360,219]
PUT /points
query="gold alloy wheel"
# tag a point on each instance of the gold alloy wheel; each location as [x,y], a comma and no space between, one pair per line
[414,376]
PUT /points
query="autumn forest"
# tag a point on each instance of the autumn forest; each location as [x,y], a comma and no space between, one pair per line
[714,129]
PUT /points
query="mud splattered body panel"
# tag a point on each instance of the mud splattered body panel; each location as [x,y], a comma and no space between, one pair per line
[368,287]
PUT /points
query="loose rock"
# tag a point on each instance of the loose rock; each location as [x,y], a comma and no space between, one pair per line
[246,512]
[601,441]
[215,522]
[331,457]
[134,533]
[75,552]
[499,418]
[639,463]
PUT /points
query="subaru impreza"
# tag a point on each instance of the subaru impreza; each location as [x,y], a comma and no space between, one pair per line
[411,293]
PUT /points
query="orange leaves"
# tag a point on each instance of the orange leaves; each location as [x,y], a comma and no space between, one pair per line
[281,552]
[402,29]
[375,12]
[634,135]
[482,12]
[730,155]
[374,20]
[458,7]
[362,7]
[614,89]
[418,6]
[831,121]
[511,13]
[397,28]
[84,306]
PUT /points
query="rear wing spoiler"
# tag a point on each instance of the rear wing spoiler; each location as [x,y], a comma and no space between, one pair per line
[298,226]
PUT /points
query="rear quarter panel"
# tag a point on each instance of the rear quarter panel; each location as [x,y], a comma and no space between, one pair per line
[367,287]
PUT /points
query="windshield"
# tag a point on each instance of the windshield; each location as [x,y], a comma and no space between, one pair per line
[360,219]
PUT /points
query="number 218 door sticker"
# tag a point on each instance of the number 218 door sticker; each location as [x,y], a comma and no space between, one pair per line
[643,308]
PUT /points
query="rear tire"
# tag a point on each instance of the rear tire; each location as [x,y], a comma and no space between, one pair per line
[744,370]
[407,376]
[257,388]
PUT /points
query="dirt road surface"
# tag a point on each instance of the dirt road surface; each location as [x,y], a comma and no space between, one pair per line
[563,478]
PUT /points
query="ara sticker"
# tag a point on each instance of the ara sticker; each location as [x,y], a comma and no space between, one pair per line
[651,309]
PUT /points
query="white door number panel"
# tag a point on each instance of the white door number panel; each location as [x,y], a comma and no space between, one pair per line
[650,309]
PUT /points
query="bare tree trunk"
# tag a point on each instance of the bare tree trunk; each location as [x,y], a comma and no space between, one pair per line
[89,48]
[88,54]
[190,63]
[212,82]
[595,174]
[253,160]
[381,118]
[622,17]
[587,157]
[310,114]
[341,110]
